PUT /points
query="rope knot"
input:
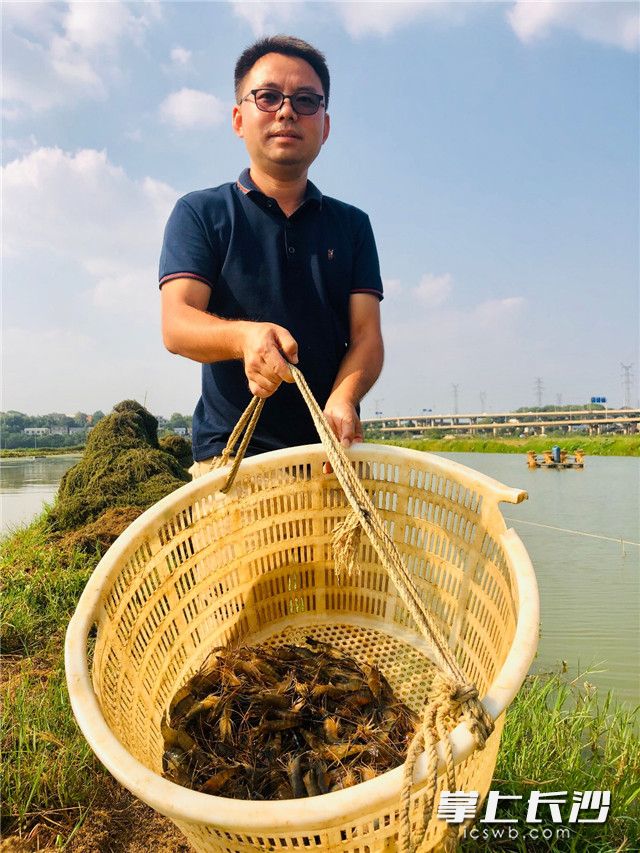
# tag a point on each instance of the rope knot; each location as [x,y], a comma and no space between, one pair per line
[464,692]
[451,691]
[480,723]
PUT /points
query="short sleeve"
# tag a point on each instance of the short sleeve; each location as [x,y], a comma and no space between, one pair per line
[366,268]
[188,249]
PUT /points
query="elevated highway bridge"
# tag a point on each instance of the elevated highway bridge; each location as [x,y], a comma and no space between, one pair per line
[591,421]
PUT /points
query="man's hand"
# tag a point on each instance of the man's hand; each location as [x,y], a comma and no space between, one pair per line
[190,330]
[345,423]
[262,348]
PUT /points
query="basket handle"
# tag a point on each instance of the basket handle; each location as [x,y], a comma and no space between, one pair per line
[247,424]
[452,693]
[363,508]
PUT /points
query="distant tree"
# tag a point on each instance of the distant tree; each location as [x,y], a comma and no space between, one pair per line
[13,421]
[55,419]
[97,416]
[572,407]
[178,420]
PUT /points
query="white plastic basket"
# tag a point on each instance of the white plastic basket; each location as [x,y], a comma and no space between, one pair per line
[201,569]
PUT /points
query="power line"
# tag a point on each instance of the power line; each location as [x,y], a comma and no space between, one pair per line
[626,383]
[455,397]
[538,389]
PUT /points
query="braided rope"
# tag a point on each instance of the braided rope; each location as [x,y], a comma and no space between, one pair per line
[452,696]
[247,422]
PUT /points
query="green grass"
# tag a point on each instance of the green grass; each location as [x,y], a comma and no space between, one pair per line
[48,769]
[41,586]
[17,452]
[605,445]
[558,735]
[562,736]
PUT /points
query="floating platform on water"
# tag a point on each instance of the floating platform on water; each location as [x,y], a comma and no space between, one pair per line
[549,459]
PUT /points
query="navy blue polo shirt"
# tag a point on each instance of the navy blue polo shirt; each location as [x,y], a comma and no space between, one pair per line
[297,271]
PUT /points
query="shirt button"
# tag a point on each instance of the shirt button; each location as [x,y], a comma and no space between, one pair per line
[291,250]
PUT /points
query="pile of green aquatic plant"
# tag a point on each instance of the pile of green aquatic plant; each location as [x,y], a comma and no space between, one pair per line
[123,465]
[179,447]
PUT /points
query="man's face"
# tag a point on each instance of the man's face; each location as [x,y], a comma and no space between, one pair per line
[281,143]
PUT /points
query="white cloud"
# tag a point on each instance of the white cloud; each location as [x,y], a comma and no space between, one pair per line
[359,19]
[91,215]
[85,333]
[434,290]
[193,108]
[56,54]
[90,26]
[616,24]
[381,19]
[267,18]
[73,67]
[180,56]
[37,19]
[25,90]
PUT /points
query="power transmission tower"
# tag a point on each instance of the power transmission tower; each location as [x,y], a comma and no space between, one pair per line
[483,401]
[455,397]
[626,383]
[538,389]
[558,400]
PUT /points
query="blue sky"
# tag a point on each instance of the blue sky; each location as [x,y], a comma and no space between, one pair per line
[494,146]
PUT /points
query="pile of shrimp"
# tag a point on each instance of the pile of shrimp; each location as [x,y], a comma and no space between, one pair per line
[263,723]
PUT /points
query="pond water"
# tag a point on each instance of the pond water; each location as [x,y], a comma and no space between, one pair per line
[27,484]
[589,584]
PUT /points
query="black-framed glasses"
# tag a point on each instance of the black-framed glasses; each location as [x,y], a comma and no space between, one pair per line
[270,101]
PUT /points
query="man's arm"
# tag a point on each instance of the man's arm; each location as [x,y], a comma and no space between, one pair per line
[359,368]
[188,329]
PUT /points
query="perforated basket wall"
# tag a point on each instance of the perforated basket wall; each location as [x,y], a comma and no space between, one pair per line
[202,569]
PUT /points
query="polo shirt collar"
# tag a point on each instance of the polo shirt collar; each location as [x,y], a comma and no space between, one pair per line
[247,186]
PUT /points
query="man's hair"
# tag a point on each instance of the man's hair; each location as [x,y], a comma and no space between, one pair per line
[289,46]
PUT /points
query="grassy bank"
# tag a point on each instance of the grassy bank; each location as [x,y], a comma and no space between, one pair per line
[38,452]
[49,773]
[558,736]
[561,736]
[597,445]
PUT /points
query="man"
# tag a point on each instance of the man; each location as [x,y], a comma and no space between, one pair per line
[267,271]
